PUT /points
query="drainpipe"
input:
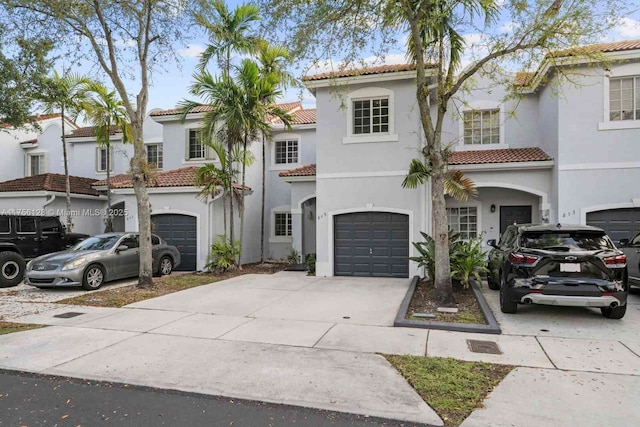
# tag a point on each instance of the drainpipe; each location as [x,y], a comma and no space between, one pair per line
[48,202]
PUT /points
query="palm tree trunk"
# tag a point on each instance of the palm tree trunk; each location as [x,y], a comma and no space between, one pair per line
[109,224]
[244,169]
[67,184]
[264,166]
[231,191]
[442,280]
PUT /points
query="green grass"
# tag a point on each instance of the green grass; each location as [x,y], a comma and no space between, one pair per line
[120,297]
[453,388]
[10,327]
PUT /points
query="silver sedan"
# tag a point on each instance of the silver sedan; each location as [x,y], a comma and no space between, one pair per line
[97,260]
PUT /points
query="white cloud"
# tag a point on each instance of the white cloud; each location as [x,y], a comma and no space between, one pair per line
[191,51]
[628,28]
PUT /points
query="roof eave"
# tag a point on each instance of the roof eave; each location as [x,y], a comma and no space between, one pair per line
[488,167]
[363,78]
[307,178]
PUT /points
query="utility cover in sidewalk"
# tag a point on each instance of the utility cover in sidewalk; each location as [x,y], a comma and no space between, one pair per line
[68,315]
[487,347]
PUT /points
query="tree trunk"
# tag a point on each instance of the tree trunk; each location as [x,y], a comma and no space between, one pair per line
[264,166]
[442,279]
[244,170]
[67,184]
[109,220]
[144,207]
[231,192]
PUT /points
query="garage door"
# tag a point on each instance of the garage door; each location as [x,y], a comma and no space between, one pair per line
[371,244]
[182,232]
[618,223]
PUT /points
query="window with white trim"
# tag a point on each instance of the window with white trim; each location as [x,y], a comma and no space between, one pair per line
[624,98]
[463,220]
[155,155]
[196,149]
[482,127]
[103,158]
[371,115]
[282,224]
[286,152]
[36,164]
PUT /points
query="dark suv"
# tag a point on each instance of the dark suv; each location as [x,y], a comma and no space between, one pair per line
[25,237]
[570,265]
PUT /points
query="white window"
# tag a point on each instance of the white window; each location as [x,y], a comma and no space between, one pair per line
[482,127]
[102,159]
[154,155]
[371,115]
[624,98]
[36,164]
[196,150]
[464,220]
[282,224]
[286,152]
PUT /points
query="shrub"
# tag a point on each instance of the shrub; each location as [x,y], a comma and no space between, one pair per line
[427,251]
[310,259]
[223,255]
[469,261]
[293,257]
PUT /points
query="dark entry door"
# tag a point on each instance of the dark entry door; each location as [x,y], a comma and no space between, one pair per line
[180,231]
[510,215]
[371,244]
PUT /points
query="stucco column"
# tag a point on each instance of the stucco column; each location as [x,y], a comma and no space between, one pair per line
[296,230]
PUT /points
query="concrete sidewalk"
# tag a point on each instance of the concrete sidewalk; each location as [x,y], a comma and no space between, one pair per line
[281,339]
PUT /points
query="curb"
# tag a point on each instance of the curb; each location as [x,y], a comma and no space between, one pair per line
[491,328]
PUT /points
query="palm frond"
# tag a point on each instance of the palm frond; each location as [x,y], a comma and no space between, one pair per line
[459,186]
[419,173]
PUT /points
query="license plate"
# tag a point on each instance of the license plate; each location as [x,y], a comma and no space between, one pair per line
[568,267]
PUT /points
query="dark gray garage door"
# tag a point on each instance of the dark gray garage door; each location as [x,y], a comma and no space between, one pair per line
[182,232]
[618,223]
[371,244]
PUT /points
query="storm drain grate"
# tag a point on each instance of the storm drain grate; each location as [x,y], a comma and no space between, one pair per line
[68,315]
[487,347]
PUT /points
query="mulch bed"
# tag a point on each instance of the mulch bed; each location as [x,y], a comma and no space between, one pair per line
[467,304]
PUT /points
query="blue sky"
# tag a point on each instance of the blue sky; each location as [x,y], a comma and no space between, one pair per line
[170,86]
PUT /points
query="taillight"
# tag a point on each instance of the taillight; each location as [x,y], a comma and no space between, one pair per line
[616,260]
[517,258]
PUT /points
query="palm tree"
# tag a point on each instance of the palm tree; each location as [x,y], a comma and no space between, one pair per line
[67,93]
[273,59]
[107,113]
[229,32]
[456,184]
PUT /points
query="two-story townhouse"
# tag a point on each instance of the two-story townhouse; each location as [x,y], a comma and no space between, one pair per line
[559,152]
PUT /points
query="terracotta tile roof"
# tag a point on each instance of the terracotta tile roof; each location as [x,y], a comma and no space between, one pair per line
[183,177]
[300,117]
[287,106]
[90,131]
[619,46]
[380,69]
[50,182]
[308,170]
[505,155]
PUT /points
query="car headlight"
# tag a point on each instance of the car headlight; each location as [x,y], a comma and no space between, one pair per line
[74,264]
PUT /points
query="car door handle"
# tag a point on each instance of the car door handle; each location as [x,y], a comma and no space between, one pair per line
[20,237]
[35,239]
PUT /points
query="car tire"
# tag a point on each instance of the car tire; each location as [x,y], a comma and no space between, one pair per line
[614,313]
[506,305]
[12,268]
[165,266]
[490,283]
[93,277]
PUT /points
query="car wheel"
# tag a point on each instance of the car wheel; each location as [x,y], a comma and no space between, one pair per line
[506,304]
[614,313]
[93,277]
[12,268]
[490,282]
[165,266]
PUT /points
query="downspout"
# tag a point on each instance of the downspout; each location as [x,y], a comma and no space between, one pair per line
[48,202]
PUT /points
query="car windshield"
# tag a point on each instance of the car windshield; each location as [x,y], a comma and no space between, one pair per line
[96,243]
[566,240]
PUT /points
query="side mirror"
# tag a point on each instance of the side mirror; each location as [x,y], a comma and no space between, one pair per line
[492,243]
[122,248]
[624,242]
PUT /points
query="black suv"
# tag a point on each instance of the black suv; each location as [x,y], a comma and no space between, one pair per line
[25,237]
[570,265]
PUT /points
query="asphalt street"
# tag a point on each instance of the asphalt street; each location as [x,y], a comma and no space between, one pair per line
[35,400]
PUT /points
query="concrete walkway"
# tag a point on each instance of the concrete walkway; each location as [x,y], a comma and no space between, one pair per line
[309,341]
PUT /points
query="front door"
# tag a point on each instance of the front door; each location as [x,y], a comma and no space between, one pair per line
[26,236]
[510,215]
[127,263]
[51,235]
